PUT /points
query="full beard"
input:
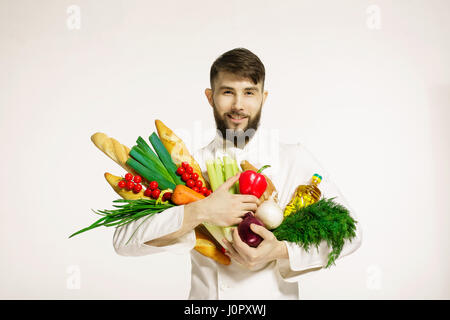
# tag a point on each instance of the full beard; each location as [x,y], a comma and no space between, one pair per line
[239,137]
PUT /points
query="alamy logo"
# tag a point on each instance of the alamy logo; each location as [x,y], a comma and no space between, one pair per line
[73,21]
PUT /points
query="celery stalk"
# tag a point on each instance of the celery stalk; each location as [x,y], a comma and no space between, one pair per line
[212,175]
[228,165]
[228,170]
[235,171]
[219,171]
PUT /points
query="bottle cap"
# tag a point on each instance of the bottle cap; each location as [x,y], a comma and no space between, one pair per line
[318,176]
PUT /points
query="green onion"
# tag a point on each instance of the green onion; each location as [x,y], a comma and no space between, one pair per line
[129,211]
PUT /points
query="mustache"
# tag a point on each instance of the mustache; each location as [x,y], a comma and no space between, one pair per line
[237,113]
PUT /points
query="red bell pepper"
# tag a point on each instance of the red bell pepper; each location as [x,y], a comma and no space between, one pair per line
[251,182]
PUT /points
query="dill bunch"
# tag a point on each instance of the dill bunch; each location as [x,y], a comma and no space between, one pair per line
[324,220]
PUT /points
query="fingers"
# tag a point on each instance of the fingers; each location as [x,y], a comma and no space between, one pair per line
[230,182]
[236,221]
[249,207]
[231,251]
[237,241]
[261,231]
[248,198]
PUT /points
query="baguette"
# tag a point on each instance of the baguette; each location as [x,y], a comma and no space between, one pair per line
[245,165]
[126,194]
[113,149]
[178,150]
[208,248]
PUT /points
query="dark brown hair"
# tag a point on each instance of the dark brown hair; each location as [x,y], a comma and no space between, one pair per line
[241,62]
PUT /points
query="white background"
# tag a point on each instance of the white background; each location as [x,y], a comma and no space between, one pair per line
[369,97]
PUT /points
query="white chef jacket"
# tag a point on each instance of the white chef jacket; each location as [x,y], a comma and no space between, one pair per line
[291,165]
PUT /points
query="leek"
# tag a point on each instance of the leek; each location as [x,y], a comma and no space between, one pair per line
[151,174]
[142,157]
[165,157]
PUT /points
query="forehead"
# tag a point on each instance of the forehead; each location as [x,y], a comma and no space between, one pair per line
[231,80]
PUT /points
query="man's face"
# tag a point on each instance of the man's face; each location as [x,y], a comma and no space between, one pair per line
[237,103]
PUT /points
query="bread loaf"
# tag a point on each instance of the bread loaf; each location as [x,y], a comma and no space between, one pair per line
[126,194]
[178,150]
[205,245]
[113,149]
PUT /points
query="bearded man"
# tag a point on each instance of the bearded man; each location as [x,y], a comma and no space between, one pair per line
[273,269]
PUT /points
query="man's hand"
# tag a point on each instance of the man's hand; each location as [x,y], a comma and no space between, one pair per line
[223,208]
[253,258]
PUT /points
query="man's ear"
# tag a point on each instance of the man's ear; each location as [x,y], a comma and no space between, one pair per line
[209,96]
[265,94]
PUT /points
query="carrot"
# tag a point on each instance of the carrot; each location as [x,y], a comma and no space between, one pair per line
[184,195]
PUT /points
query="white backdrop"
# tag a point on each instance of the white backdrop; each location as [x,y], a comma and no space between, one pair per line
[365,85]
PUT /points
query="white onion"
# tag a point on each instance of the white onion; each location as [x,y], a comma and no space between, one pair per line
[270,213]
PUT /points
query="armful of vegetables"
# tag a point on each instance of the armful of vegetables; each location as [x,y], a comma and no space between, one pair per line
[150,167]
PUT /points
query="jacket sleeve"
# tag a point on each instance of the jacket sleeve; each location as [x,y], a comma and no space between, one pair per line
[301,261]
[130,239]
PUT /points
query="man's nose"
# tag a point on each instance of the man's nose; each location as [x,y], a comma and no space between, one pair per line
[237,103]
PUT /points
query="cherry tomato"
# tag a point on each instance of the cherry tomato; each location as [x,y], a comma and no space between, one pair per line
[184,164]
[194,176]
[180,171]
[130,185]
[167,196]
[137,179]
[196,189]
[156,193]
[207,193]
[199,184]
[148,193]
[189,170]
[203,190]
[153,185]
[185,177]
[190,183]
[128,177]
[122,184]
[137,188]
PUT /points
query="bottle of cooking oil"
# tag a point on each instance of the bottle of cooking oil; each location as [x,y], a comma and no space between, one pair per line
[304,195]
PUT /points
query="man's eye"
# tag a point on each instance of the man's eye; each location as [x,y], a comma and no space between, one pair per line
[249,92]
[227,92]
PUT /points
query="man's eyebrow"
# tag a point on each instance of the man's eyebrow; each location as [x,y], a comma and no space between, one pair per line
[245,89]
[225,87]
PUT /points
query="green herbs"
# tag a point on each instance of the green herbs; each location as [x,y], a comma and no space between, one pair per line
[324,220]
[128,211]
